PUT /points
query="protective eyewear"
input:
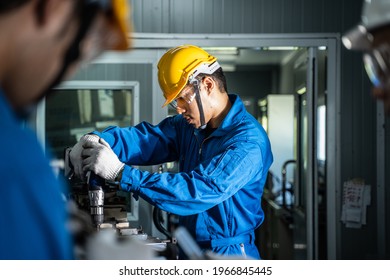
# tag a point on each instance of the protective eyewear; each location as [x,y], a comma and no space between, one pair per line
[107,29]
[103,26]
[186,97]
[376,63]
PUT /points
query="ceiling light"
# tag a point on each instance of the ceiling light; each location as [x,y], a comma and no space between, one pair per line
[281,48]
[222,50]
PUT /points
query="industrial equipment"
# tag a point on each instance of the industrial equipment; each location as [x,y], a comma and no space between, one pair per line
[101,214]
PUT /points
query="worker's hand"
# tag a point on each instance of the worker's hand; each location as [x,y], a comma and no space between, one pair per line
[75,154]
[99,158]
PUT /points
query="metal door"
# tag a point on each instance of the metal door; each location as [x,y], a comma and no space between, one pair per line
[309,211]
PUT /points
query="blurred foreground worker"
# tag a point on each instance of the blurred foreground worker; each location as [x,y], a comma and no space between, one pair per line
[223,152]
[372,36]
[41,43]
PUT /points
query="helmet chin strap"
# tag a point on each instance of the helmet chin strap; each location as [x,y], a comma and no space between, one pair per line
[203,123]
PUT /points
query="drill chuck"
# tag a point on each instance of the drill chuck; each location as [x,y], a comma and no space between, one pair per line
[96,198]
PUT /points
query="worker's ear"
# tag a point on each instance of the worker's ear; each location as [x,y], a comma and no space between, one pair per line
[209,84]
[53,15]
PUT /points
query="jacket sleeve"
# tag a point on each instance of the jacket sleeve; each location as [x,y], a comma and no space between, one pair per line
[143,144]
[210,183]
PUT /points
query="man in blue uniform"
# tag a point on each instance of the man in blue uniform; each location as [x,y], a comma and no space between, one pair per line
[223,152]
[41,42]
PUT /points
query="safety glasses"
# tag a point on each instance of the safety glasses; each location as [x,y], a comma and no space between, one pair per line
[107,29]
[187,97]
[376,63]
[99,38]
[104,25]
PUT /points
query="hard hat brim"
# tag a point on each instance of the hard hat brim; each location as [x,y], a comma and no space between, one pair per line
[173,96]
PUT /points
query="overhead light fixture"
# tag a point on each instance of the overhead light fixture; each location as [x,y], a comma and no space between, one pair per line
[222,50]
[280,48]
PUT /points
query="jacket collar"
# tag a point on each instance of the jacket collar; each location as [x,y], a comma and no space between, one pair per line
[233,117]
[7,115]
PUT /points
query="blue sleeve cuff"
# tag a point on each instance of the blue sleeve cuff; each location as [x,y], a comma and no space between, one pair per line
[106,136]
[129,180]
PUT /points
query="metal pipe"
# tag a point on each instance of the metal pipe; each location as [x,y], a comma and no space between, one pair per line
[284,180]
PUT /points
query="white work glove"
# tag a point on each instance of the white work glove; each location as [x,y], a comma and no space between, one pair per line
[75,154]
[99,158]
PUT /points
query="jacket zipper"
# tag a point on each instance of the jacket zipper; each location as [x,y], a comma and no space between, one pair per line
[200,145]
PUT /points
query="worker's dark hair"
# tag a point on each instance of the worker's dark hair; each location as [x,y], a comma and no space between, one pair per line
[219,77]
[7,6]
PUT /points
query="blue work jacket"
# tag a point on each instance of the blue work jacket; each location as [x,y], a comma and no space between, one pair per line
[219,187]
[33,212]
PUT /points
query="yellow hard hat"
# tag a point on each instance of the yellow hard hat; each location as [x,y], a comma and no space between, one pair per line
[121,11]
[181,65]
